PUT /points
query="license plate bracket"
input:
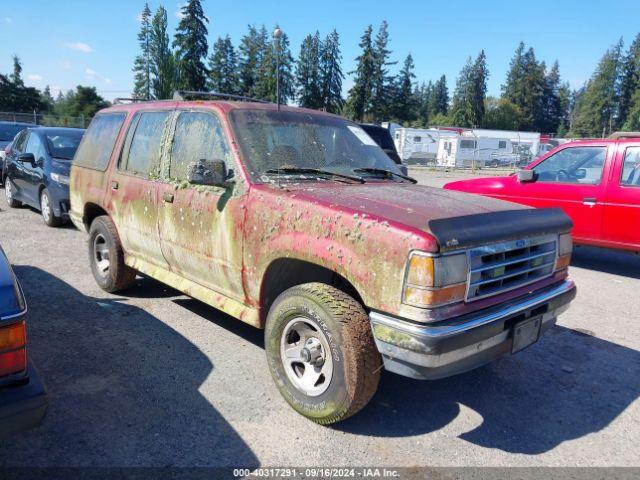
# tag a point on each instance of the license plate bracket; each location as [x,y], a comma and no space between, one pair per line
[526,333]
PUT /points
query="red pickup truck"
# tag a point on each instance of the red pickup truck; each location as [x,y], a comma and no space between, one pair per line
[596,183]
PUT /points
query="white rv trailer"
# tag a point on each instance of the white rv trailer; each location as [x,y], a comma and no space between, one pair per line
[524,143]
[419,146]
[466,151]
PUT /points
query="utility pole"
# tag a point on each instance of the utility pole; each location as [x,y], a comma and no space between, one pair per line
[277,34]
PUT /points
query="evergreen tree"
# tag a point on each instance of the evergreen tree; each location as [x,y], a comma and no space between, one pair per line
[597,108]
[565,103]
[630,81]
[632,122]
[252,48]
[501,114]
[142,63]
[439,98]
[405,105]
[47,99]
[552,103]
[525,88]
[331,75]
[16,76]
[422,94]
[223,73]
[163,64]
[191,47]
[360,95]
[471,88]
[383,84]
[308,81]
[266,82]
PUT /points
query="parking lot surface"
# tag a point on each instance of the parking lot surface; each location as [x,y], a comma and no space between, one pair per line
[153,378]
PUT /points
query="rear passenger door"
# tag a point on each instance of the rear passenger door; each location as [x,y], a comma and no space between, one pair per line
[622,207]
[134,186]
[200,226]
[33,173]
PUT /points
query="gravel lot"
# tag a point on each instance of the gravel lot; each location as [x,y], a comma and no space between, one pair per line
[153,378]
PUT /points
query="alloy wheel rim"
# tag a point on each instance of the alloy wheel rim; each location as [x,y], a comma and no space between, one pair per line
[45,207]
[306,356]
[101,254]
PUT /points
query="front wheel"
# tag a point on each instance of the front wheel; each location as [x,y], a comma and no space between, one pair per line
[107,257]
[9,191]
[46,208]
[321,352]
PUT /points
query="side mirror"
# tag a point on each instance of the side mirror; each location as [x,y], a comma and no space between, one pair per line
[525,176]
[207,172]
[27,158]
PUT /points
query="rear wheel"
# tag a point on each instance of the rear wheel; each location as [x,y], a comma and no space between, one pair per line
[46,208]
[321,352]
[9,191]
[107,257]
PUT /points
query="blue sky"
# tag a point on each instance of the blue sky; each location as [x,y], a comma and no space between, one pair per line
[93,42]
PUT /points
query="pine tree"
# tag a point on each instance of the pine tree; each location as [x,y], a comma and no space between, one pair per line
[308,81]
[252,48]
[597,108]
[501,114]
[47,99]
[16,76]
[565,103]
[142,63]
[163,64]
[423,96]
[439,98]
[360,95]
[383,83]
[630,81]
[191,47]
[404,107]
[223,67]
[525,88]
[331,75]
[632,122]
[552,104]
[267,71]
[471,88]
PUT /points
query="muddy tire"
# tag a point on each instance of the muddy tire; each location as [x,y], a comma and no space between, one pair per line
[107,257]
[321,352]
[46,209]
[9,189]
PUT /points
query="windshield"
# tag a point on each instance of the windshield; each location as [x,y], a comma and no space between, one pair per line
[8,131]
[273,140]
[64,144]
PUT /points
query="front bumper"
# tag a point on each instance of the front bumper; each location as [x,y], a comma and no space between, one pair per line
[456,345]
[22,406]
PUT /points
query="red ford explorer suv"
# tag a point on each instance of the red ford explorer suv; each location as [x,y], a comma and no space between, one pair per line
[296,222]
[596,183]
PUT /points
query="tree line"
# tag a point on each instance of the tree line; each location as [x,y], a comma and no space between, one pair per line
[533,97]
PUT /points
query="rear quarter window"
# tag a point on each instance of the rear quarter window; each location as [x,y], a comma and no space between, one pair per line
[98,142]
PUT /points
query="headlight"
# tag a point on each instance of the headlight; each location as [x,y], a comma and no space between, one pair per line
[59,178]
[565,247]
[432,281]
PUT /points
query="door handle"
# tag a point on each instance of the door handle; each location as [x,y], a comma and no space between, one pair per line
[114,185]
[589,201]
[168,197]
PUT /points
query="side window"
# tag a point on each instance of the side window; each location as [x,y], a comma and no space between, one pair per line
[99,140]
[198,136]
[573,165]
[35,146]
[631,169]
[467,144]
[502,144]
[18,146]
[143,144]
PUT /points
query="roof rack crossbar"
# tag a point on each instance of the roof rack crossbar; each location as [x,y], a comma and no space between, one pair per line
[618,135]
[120,100]
[184,94]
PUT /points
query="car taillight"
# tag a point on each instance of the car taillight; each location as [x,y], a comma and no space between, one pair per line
[13,353]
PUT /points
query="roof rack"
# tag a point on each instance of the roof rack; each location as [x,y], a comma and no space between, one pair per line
[185,94]
[619,135]
[121,100]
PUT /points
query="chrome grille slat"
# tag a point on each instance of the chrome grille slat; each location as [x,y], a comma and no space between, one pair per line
[501,267]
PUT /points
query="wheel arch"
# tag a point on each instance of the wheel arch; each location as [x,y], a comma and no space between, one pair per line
[90,212]
[284,273]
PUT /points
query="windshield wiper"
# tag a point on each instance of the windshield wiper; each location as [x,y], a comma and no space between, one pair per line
[386,173]
[313,171]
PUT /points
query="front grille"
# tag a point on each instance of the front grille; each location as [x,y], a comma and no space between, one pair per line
[500,267]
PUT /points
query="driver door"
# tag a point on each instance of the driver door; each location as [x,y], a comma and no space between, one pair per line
[573,179]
